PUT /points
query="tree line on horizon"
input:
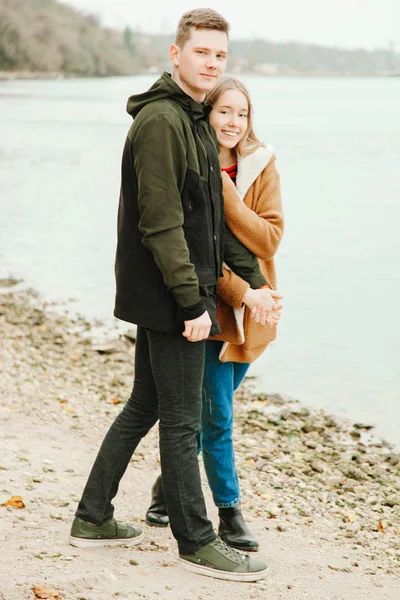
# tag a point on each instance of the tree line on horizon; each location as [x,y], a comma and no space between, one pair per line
[46,36]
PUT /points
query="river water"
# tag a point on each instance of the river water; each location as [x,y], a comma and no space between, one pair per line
[338,147]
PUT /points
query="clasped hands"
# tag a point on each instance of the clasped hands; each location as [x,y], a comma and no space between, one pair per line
[264,305]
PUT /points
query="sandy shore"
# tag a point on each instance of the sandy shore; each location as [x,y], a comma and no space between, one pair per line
[321,493]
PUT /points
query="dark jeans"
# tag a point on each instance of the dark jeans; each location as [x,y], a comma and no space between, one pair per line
[168,386]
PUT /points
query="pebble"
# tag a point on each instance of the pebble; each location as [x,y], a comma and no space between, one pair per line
[32,525]
[56,516]
[318,466]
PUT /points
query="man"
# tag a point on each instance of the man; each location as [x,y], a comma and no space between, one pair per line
[169,257]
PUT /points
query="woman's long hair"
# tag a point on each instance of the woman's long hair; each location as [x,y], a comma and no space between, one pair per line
[250,142]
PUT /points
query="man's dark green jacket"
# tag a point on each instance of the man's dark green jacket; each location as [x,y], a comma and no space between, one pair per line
[170,216]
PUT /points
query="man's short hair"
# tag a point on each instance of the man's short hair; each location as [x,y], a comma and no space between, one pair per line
[199,18]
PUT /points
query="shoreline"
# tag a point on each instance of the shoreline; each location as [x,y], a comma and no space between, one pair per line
[57,75]
[307,477]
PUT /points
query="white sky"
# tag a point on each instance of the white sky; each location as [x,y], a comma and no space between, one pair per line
[347,23]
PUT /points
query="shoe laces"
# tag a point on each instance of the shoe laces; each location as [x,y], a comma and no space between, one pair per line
[229,552]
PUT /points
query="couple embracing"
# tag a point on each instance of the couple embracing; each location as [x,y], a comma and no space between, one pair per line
[199,222]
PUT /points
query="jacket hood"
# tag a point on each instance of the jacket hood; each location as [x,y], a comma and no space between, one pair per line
[250,167]
[165,87]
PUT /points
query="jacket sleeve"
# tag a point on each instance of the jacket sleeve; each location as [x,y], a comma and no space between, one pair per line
[231,288]
[160,165]
[242,261]
[259,231]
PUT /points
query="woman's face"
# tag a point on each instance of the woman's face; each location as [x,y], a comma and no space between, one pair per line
[229,117]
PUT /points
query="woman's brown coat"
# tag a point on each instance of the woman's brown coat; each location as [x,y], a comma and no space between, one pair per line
[253,211]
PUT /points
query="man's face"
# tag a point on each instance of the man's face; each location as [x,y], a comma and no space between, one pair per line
[201,62]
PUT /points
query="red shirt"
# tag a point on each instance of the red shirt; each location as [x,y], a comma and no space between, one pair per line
[232,172]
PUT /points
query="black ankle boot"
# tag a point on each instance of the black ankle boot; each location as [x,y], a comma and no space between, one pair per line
[157,515]
[234,531]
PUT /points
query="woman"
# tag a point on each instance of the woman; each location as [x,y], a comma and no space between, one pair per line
[253,213]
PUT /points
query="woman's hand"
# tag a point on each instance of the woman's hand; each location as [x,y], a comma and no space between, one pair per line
[264,305]
[260,315]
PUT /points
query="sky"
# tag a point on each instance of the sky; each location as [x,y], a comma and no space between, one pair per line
[366,24]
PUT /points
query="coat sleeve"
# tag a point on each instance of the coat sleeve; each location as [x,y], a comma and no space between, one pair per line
[231,288]
[160,166]
[260,230]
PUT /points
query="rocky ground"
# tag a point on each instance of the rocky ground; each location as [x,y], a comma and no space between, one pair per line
[321,493]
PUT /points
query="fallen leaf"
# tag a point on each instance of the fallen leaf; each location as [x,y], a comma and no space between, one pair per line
[382,525]
[44,593]
[14,501]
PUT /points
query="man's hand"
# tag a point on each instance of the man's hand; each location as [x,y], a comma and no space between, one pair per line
[198,329]
[266,298]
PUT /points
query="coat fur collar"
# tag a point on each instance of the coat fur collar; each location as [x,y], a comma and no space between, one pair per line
[250,167]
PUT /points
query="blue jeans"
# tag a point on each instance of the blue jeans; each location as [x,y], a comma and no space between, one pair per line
[220,382]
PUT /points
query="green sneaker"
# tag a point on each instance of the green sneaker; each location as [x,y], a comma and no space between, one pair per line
[218,560]
[112,533]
